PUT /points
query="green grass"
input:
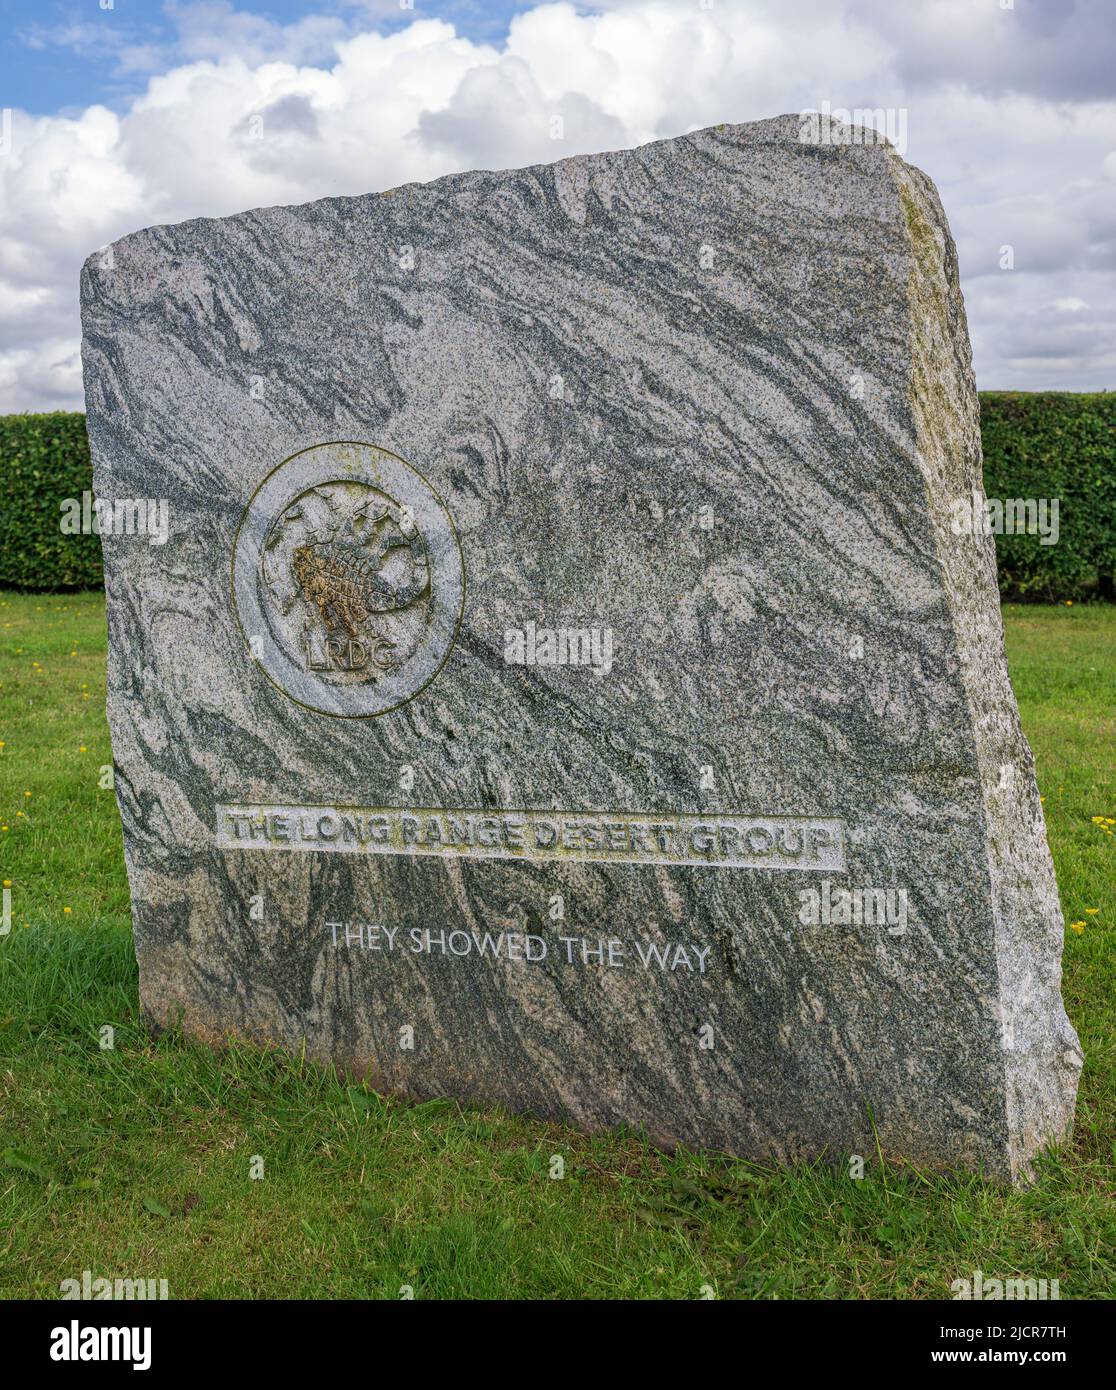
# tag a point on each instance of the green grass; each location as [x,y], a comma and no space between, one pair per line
[135,1161]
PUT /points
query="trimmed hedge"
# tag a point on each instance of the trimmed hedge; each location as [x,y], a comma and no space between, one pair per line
[43,460]
[1054,444]
[1041,445]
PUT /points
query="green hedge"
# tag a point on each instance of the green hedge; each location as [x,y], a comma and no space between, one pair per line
[1043,445]
[44,459]
[1054,444]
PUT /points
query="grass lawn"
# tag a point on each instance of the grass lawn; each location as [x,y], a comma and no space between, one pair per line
[135,1160]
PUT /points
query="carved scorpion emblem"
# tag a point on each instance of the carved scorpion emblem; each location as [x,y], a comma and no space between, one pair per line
[343,580]
[348,579]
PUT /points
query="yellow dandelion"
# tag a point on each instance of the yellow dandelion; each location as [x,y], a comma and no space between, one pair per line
[1078,927]
[7,883]
[27,793]
[1092,911]
[67,909]
[82,749]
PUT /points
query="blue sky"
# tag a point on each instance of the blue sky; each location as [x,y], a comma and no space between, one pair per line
[62,54]
[118,118]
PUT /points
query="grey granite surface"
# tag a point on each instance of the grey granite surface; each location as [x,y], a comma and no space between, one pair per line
[561,624]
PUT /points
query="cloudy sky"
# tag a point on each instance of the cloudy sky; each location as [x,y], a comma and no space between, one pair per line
[123,113]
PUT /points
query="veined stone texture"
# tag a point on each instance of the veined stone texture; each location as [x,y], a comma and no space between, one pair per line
[707,403]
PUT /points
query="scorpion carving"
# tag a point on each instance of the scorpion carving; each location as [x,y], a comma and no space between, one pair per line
[343,580]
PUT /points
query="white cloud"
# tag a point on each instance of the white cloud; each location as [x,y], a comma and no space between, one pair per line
[213,28]
[250,112]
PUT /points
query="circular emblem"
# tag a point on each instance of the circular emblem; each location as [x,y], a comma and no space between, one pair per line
[348,579]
